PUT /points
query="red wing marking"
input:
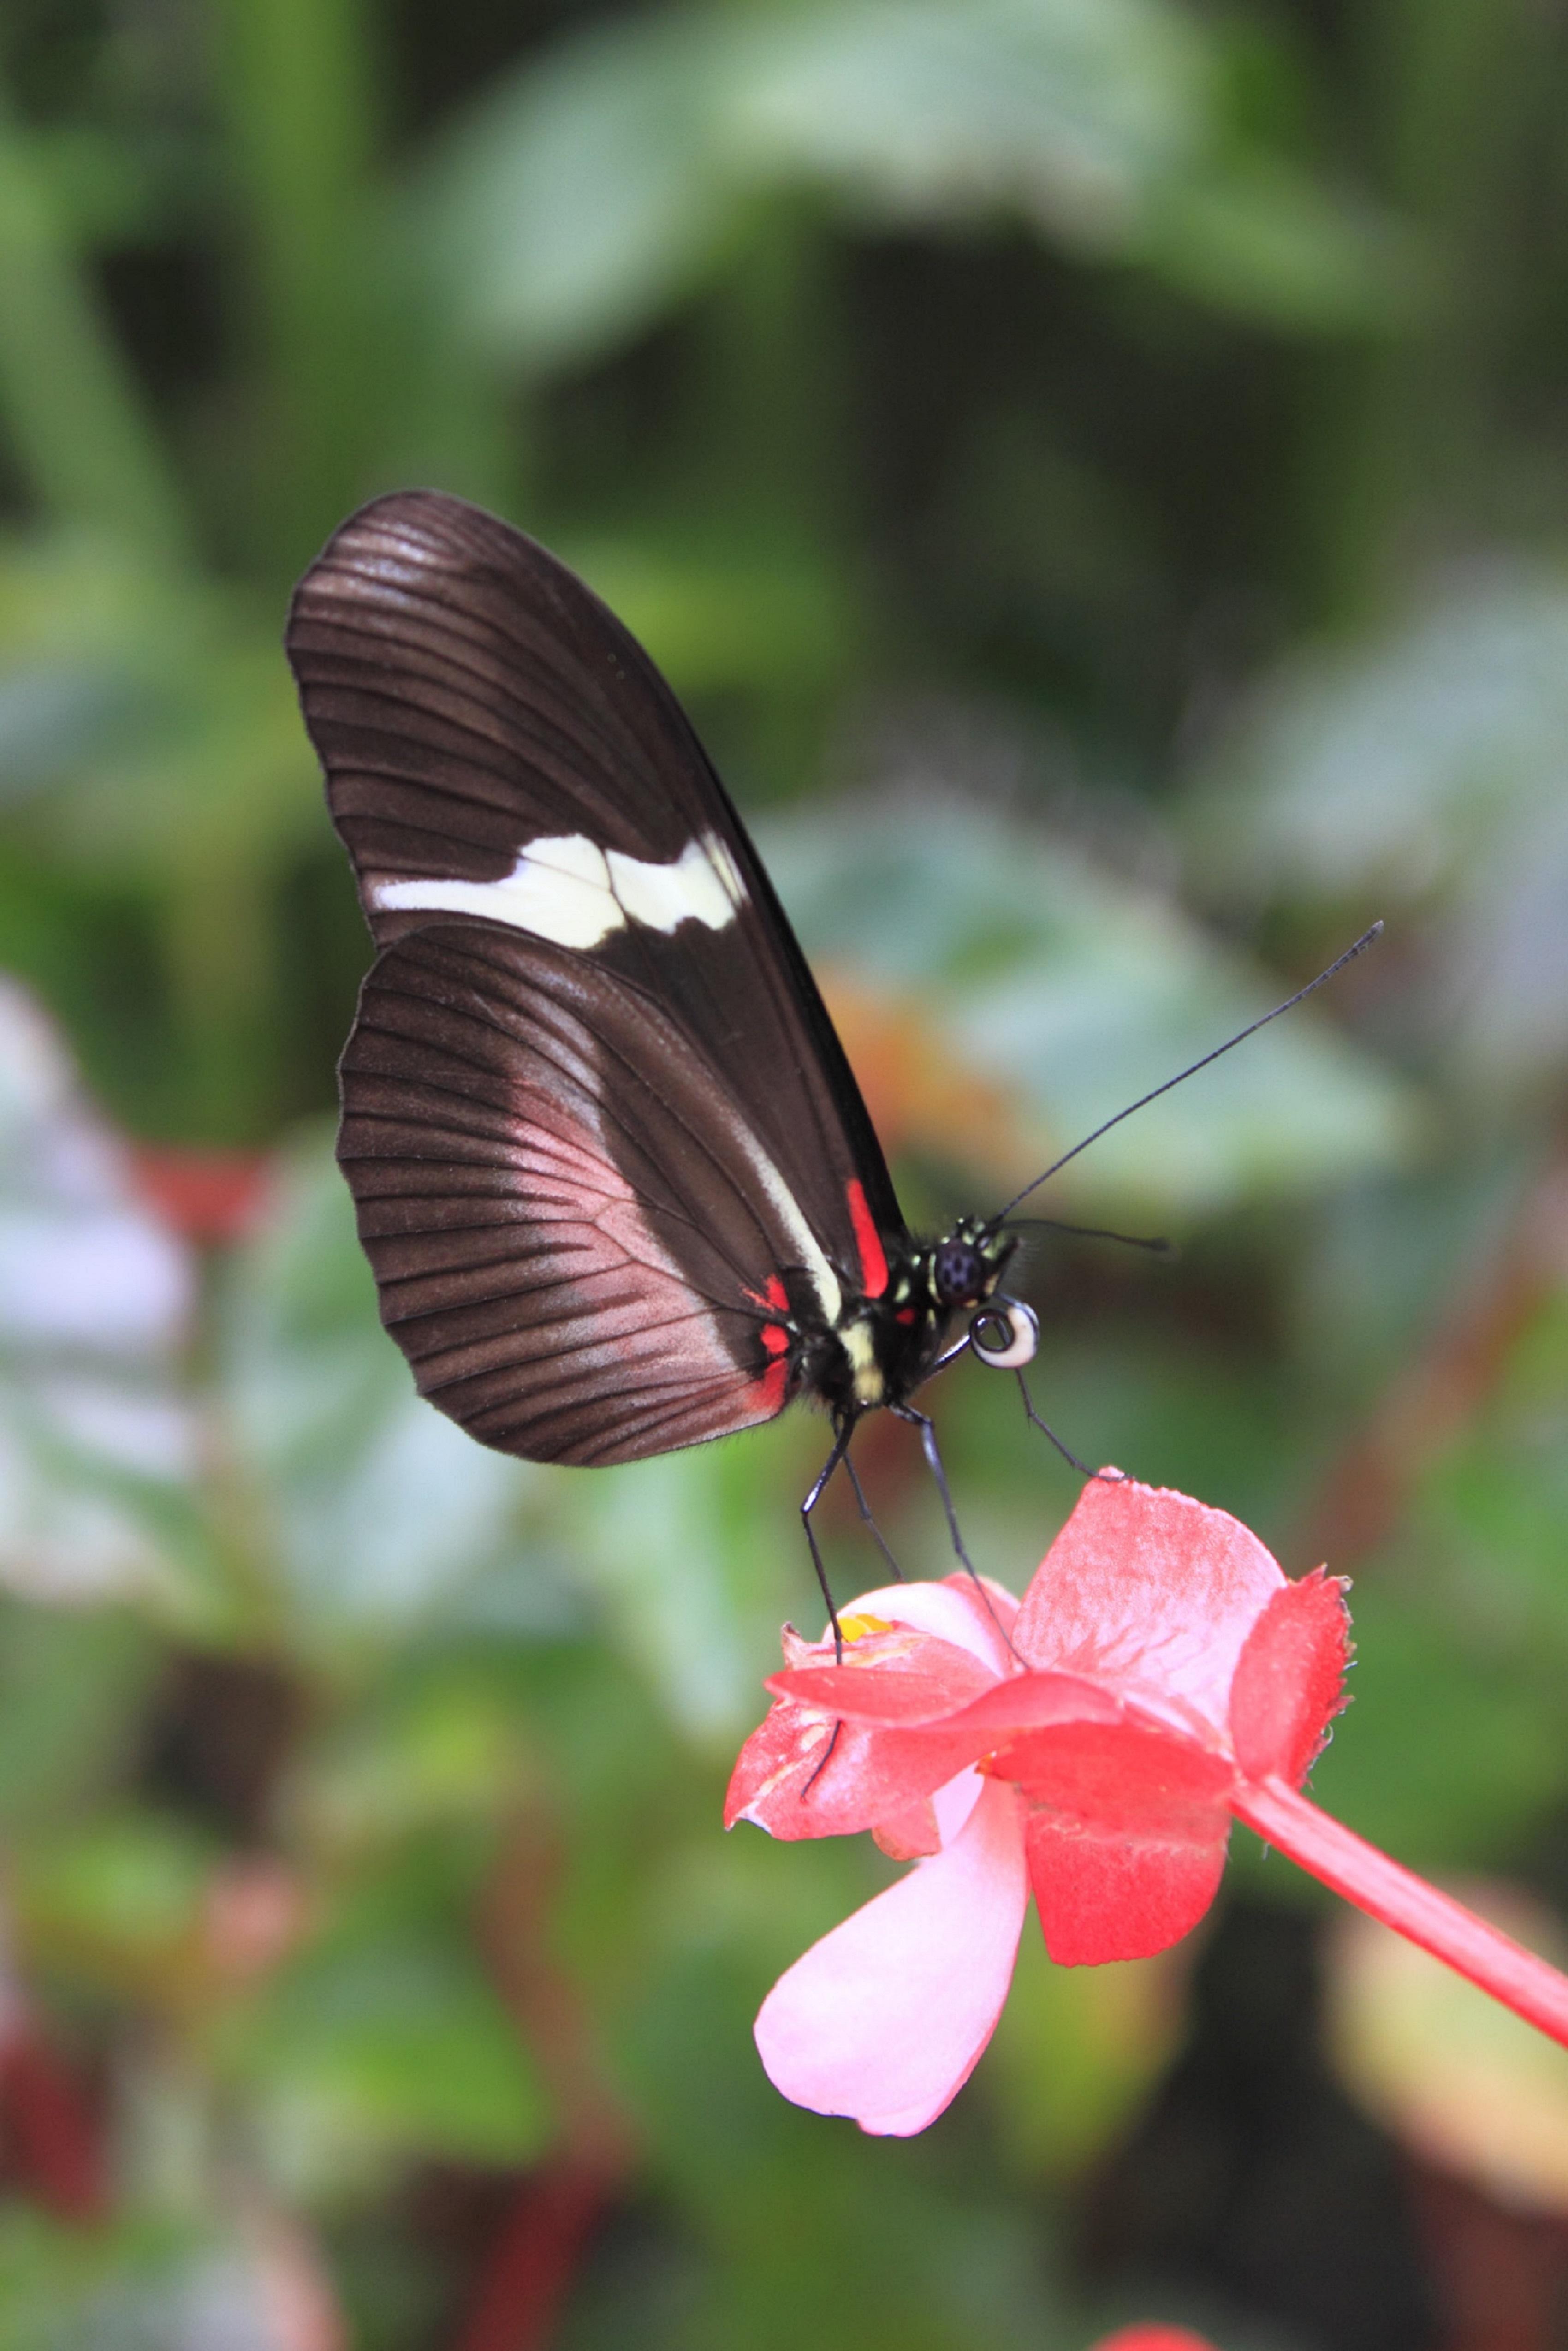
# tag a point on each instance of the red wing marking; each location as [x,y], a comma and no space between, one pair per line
[772,1294]
[905,1315]
[775,1338]
[767,1392]
[868,1240]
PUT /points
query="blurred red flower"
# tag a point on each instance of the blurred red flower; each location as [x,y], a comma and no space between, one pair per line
[1154,2337]
[1090,1746]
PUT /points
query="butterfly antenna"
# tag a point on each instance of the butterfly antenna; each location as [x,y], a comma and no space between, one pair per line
[1191,1070]
[1155,1243]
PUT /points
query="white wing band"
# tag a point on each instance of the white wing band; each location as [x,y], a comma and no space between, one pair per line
[566,890]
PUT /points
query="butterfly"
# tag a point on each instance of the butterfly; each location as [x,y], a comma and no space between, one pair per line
[613,1171]
[613,1174]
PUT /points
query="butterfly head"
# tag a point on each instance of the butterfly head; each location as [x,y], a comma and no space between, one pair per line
[967,1264]
[965,1269]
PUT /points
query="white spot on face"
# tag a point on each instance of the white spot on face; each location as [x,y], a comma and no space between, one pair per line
[566,889]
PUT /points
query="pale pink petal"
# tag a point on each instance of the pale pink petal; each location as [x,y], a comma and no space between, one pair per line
[1152,1592]
[978,1617]
[953,1804]
[884,2019]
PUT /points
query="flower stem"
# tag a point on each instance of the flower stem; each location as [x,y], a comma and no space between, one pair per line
[1407,1903]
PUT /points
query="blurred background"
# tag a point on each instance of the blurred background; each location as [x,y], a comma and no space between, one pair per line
[1098,471]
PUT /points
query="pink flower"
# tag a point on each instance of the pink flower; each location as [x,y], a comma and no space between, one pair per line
[1091,1747]
[1154,2337]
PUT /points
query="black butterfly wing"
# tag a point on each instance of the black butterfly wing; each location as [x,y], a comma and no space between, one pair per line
[566,1247]
[596,1118]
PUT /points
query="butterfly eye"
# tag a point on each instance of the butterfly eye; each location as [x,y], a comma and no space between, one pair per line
[1005,1334]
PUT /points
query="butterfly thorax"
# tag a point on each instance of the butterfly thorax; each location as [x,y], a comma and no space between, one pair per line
[879,1348]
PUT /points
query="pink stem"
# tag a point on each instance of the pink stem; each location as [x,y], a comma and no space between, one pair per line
[1406,1902]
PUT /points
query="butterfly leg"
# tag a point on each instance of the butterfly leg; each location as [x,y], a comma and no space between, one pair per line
[923,1423]
[1071,1459]
[877,1536]
[841,1434]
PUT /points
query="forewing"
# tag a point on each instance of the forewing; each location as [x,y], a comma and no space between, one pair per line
[575,1241]
[498,748]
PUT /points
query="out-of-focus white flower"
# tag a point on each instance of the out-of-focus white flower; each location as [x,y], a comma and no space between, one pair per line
[95,1300]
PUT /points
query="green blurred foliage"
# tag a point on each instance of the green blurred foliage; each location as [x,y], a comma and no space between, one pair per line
[1096,469]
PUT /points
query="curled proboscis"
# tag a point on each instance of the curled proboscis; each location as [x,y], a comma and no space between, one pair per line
[1005,1334]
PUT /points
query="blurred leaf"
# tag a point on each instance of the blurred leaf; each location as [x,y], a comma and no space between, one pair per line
[1259,237]
[1488,1522]
[1462,1635]
[1384,1263]
[1429,764]
[377,2049]
[377,1505]
[576,199]
[116,2287]
[1453,2074]
[108,190]
[1445,1753]
[72,1687]
[70,405]
[578,203]
[1067,110]
[1077,2051]
[1076,992]
[118,1903]
[694,1558]
[765,614]
[180,745]
[449,1749]
[1393,762]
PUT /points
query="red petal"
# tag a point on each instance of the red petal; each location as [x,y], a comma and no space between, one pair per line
[1106,1897]
[1126,1836]
[1290,1682]
[782,1785]
[900,1700]
[1030,1702]
[874,1773]
[1154,2337]
[1151,1590]
[1117,1776]
[909,1834]
[898,1678]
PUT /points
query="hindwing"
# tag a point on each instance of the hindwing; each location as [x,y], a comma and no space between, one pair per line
[583,1256]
